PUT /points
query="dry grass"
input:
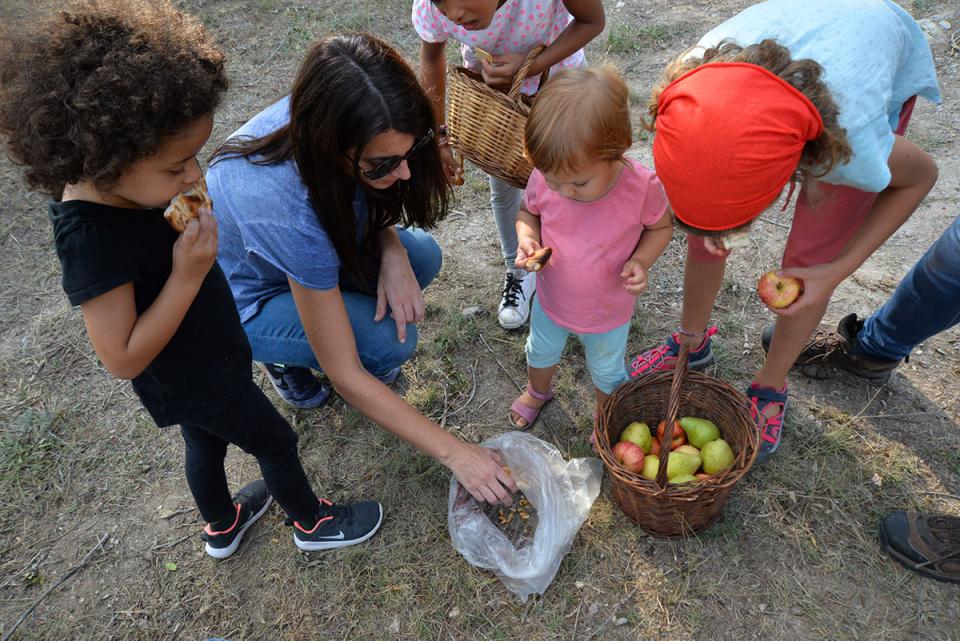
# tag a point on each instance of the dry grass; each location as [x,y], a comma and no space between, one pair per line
[795,556]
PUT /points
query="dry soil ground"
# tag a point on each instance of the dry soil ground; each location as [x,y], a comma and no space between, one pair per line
[794,558]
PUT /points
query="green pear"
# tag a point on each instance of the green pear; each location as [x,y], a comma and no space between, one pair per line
[689,449]
[692,451]
[717,456]
[699,431]
[638,434]
[682,463]
[682,478]
[651,464]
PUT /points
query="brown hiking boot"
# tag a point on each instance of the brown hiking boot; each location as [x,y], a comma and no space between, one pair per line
[829,350]
[925,543]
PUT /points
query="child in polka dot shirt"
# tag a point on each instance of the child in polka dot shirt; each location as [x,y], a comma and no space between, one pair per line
[506,29]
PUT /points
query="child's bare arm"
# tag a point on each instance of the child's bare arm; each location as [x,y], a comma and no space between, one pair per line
[913,175]
[528,236]
[652,243]
[587,24]
[433,69]
[125,342]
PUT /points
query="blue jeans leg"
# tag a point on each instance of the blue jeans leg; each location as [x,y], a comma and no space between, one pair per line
[926,302]
[276,333]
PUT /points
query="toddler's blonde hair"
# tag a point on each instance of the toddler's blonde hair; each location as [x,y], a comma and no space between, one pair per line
[579,116]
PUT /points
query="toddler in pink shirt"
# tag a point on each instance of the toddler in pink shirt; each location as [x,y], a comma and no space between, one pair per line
[606,220]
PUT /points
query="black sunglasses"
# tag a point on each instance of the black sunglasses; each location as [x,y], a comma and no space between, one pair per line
[387,165]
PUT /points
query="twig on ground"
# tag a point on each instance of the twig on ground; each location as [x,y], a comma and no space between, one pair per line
[773,222]
[53,587]
[276,50]
[505,370]
[576,622]
[443,418]
[942,494]
[171,543]
[473,391]
[167,517]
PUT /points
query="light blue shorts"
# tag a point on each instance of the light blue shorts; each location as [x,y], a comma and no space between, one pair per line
[605,351]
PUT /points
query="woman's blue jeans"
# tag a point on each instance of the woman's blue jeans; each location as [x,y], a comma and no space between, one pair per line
[276,333]
[926,302]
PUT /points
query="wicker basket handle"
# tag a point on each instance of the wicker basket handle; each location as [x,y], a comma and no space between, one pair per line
[514,93]
[673,408]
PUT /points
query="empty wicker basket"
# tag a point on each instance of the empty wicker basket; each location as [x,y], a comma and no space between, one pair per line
[660,508]
[486,125]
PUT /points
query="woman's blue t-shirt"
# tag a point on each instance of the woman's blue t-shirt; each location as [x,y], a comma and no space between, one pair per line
[268,228]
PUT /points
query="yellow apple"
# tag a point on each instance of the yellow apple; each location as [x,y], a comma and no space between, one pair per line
[651,464]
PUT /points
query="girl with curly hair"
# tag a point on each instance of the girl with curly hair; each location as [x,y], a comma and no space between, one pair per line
[107,104]
[322,200]
[816,92]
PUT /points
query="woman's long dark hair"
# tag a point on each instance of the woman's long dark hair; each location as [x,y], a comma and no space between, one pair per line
[348,90]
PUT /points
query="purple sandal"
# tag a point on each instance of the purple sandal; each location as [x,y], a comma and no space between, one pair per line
[527,413]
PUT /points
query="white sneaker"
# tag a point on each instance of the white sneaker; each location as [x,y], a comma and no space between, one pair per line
[518,289]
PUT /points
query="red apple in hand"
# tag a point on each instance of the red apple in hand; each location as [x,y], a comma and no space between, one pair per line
[629,455]
[778,292]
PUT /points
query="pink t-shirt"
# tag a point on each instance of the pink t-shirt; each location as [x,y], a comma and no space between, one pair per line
[580,288]
[517,27]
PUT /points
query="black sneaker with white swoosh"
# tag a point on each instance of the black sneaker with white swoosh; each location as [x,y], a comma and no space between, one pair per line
[338,526]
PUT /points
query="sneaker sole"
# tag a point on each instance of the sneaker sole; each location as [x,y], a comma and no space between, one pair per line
[390,377]
[316,546]
[310,404]
[223,553]
[513,325]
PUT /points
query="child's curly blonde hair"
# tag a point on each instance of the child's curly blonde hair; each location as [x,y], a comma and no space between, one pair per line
[100,85]
[580,115]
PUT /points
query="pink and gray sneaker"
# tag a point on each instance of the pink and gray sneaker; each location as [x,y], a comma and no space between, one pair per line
[664,357]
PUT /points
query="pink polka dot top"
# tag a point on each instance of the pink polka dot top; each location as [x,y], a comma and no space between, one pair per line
[517,27]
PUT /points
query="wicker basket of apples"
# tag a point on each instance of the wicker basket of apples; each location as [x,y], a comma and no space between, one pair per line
[674,481]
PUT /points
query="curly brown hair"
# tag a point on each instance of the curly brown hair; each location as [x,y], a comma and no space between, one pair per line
[100,85]
[819,155]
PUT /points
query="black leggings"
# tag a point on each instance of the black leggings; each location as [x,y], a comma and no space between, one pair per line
[254,425]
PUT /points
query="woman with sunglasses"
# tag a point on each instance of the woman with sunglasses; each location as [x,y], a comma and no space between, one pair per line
[321,201]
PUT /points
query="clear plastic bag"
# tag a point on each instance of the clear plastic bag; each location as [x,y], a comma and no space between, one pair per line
[562,493]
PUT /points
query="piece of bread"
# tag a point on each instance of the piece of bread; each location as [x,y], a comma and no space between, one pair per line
[480,54]
[538,259]
[186,206]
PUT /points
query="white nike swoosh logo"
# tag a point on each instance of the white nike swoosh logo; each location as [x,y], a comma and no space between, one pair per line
[338,535]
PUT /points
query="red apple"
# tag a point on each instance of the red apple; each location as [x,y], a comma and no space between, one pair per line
[778,292]
[629,455]
[679,436]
